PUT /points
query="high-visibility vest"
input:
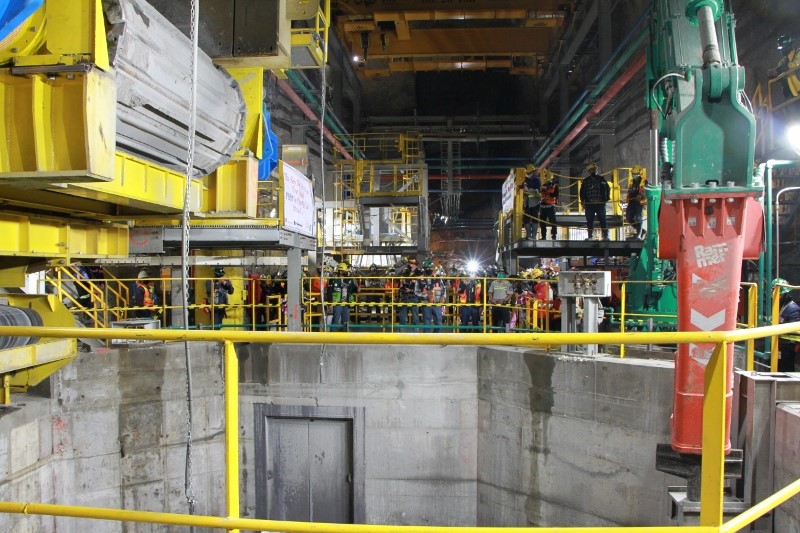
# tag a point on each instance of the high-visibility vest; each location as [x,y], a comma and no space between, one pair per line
[793,80]
[147,298]
[549,194]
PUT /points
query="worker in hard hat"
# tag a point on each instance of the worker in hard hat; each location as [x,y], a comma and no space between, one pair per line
[595,194]
[789,312]
[408,295]
[532,188]
[144,296]
[635,199]
[790,60]
[217,290]
[342,291]
[547,209]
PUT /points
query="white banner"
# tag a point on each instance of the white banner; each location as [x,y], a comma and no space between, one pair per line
[299,214]
[508,193]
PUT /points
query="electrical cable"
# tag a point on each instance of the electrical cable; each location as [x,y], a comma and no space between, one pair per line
[194,22]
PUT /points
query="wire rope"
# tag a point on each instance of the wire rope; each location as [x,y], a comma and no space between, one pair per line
[194,22]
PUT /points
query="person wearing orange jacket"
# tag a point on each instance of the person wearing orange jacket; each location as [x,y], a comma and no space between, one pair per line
[143,296]
[547,209]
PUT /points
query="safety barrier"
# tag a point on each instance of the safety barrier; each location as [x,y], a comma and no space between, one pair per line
[712,490]
[570,223]
[378,306]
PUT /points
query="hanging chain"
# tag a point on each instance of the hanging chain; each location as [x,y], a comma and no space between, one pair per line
[323,107]
[195,9]
[323,89]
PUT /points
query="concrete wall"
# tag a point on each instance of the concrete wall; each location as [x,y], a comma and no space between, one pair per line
[451,435]
[787,464]
[421,423]
[568,441]
[477,436]
[114,435]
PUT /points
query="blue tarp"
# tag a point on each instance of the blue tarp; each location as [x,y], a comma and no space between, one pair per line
[15,12]
[269,159]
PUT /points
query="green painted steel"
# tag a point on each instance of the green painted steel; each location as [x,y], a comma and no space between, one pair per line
[652,289]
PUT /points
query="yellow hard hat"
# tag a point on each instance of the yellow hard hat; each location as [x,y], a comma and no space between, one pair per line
[537,273]
[591,167]
[342,266]
[546,175]
[529,168]
[636,169]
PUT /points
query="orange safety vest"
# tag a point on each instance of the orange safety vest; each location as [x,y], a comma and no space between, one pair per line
[636,190]
[549,193]
[147,299]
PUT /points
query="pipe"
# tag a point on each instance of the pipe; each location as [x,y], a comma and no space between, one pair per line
[628,46]
[330,118]
[708,36]
[296,100]
[621,82]
[440,177]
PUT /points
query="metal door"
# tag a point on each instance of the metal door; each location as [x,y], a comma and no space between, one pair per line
[309,470]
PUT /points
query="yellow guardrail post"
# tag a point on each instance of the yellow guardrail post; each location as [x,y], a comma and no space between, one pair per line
[712,482]
[623,296]
[776,311]
[231,432]
[752,317]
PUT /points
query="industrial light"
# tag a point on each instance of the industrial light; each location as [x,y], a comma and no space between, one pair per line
[355,58]
[472,266]
[793,137]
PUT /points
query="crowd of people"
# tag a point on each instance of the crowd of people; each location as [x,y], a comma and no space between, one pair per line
[430,297]
[540,192]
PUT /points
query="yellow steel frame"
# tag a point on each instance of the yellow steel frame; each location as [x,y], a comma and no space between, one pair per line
[315,38]
[25,40]
[58,129]
[142,185]
[232,189]
[30,236]
[251,82]
[75,32]
[712,461]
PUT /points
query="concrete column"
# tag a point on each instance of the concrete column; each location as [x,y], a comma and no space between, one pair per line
[293,289]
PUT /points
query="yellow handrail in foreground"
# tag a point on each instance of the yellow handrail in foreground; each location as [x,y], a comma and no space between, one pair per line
[713,456]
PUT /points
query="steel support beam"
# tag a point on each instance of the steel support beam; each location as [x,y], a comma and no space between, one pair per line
[464,42]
